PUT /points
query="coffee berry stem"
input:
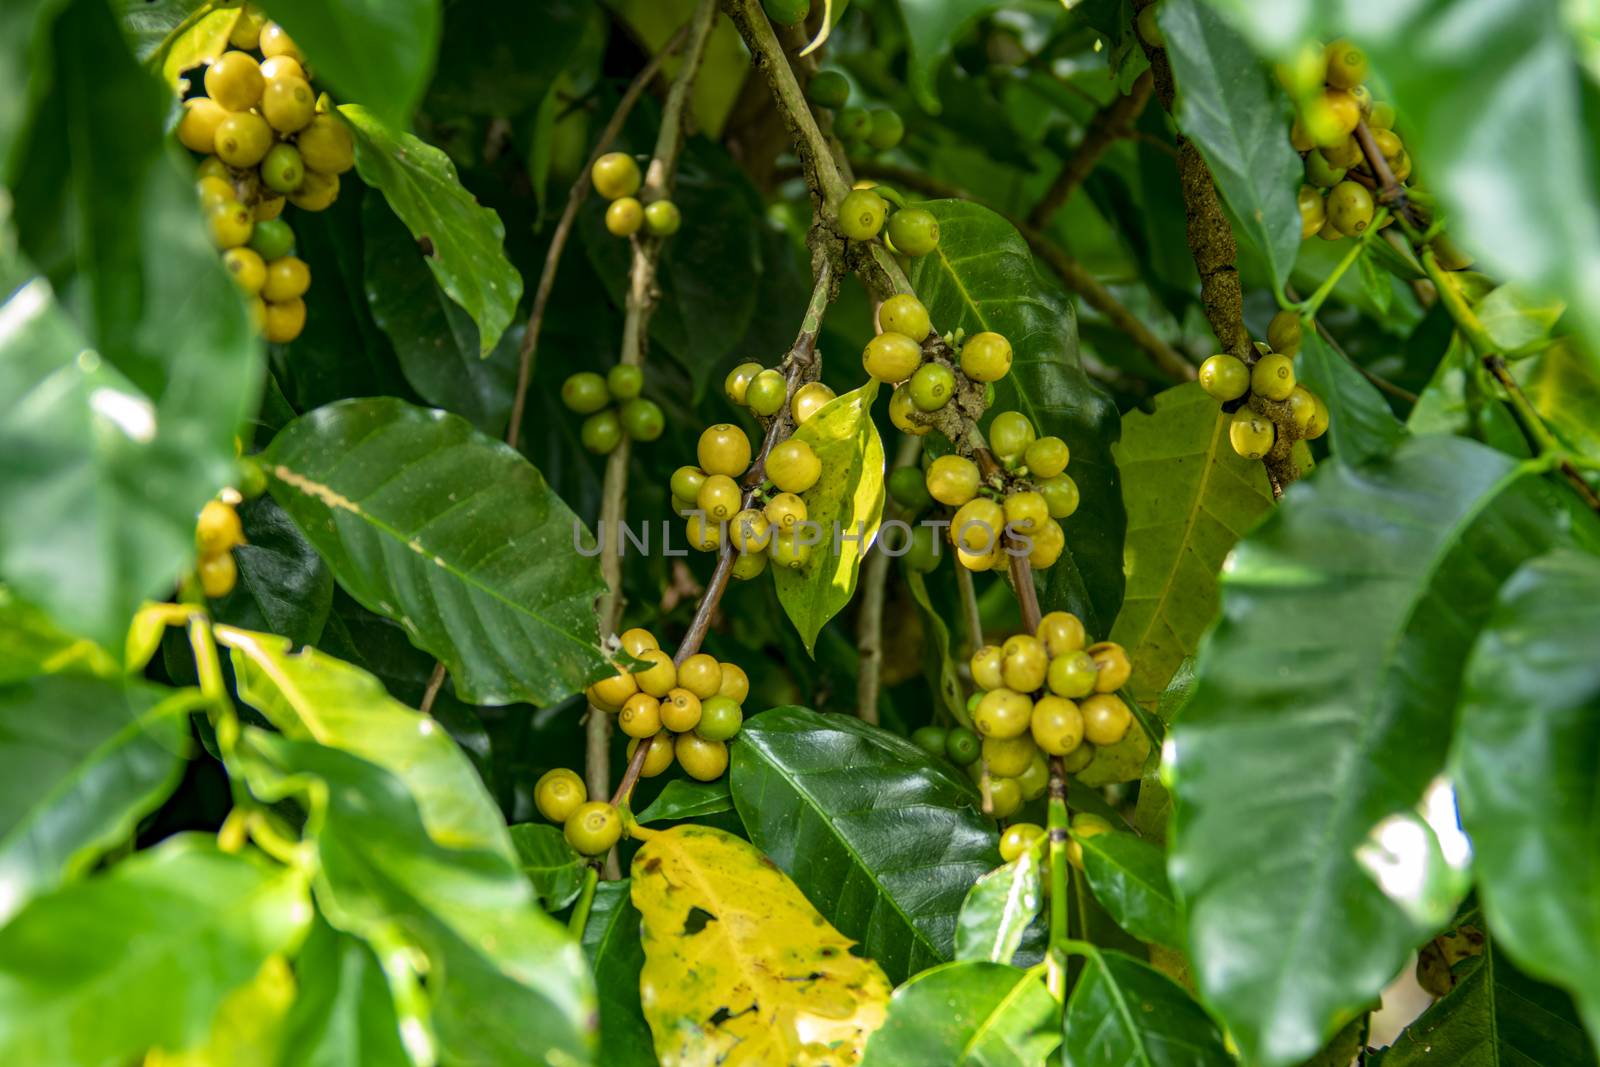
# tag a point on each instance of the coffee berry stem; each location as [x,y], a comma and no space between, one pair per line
[1055,976]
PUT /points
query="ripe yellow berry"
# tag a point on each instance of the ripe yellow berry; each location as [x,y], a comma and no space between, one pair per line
[724,449]
[793,466]
[660,677]
[1002,713]
[952,480]
[559,793]
[1057,725]
[640,716]
[701,675]
[988,667]
[1105,719]
[218,574]
[235,81]
[1251,435]
[891,357]
[1062,632]
[1111,661]
[593,828]
[615,175]
[1008,757]
[285,321]
[327,145]
[1273,377]
[197,129]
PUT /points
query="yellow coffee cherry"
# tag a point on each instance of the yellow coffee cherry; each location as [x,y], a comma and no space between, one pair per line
[724,449]
[283,66]
[1302,409]
[1273,377]
[285,321]
[624,217]
[218,529]
[703,534]
[609,694]
[1105,719]
[275,42]
[793,466]
[197,129]
[905,314]
[615,175]
[1061,632]
[1112,664]
[640,716]
[1319,422]
[1049,541]
[317,191]
[326,145]
[286,278]
[891,357]
[659,678]
[719,498]
[701,675]
[214,190]
[593,828]
[785,512]
[952,480]
[1251,435]
[986,357]
[1002,713]
[788,551]
[735,683]
[1005,797]
[288,104]
[1056,725]
[659,756]
[1024,663]
[700,759]
[235,81]
[1072,674]
[1007,757]
[903,411]
[750,531]
[637,641]
[559,793]
[680,710]
[747,565]
[977,525]
[230,223]
[1225,377]
[246,32]
[809,399]
[218,574]
[1026,511]
[988,667]
[246,268]
[242,139]
[1019,837]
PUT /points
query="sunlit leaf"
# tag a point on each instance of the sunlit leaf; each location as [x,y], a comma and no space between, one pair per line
[1129,877]
[736,958]
[998,910]
[845,505]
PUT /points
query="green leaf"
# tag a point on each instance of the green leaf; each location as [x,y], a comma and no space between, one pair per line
[982,277]
[31,644]
[24,41]
[1524,771]
[1189,497]
[127,373]
[1517,318]
[505,982]
[82,761]
[435,340]
[843,510]
[1495,1016]
[937,638]
[451,534]
[1229,106]
[343,1013]
[616,955]
[1376,282]
[1360,424]
[464,241]
[377,55]
[1323,705]
[1129,877]
[284,587]
[142,955]
[968,1014]
[998,910]
[932,28]
[1124,1012]
[1565,388]
[553,868]
[1465,75]
[173,36]
[681,799]
[882,838]
[501,58]
[311,696]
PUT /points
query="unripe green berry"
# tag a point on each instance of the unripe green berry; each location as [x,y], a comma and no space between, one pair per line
[662,218]
[625,381]
[643,419]
[1046,457]
[914,231]
[282,170]
[1060,495]
[787,12]
[766,393]
[932,386]
[962,746]
[1010,434]
[736,385]
[720,718]
[908,489]
[686,482]
[930,739]
[585,392]
[853,124]
[601,432]
[923,553]
[905,314]
[861,214]
[828,88]
[887,130]
[1224,377]
[1350,207]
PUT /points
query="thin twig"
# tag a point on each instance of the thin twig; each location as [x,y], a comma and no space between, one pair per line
[569,214]
[642,298]
[873,588]
[435,683]
[1073,274]
[1382,383]
[1108,125]
[968,593]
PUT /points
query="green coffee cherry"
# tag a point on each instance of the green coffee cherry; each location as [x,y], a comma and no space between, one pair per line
[888,128]
[1350,207]
[1321,173]
[585,393]
[1225,377]
[1010,434]
[914,231]
[853,124]
[601,432]
[909,489]
[829,89]
[923,553]
[766,393]
[272,239]
[932,386]
[625,381]
[861,214]
[737,383]
[1060,495]
[904,314]
[662,218]
[930,739]
[1284,332]
[787,12]
[1046,457]
[282,170]
[643,419]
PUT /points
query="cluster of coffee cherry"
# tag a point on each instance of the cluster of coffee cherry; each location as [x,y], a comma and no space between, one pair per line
[613,406]
[1021,837]
[684,712]
[268,139]
[1271,377]
[616,177]
[1337,197]
[862,131]
[865,211]
[710,497]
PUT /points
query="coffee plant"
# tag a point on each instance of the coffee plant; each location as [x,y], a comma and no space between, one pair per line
[464,601]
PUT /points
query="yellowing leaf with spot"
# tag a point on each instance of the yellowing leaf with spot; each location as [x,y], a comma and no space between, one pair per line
[739,968]
[846,505]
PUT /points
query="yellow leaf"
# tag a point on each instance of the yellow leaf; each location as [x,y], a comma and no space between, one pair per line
[739,969]
[248,1029]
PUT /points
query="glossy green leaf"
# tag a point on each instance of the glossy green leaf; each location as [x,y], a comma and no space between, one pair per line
[1360,424]
[1189,497]
[1565,388]
[174,36]
[882,838]
[943,672]
[343,1013]
[615,954]
[312,696]
[284,587]
[553,868]
[24,34]
[1524,772]
[451,534]
[1323,706]
[1230,108]
[142,954]
[462,240]
[1495,1016]
[501,58]
[1376,283]
[1492,106]
[1129,877]
[127,373]
[933,27]
[982,277]
[1518,319]
[1125,1012]
[505,982]
[82,760]
[682,799]
[844,508]
[378,56]
[998,910]
[968,1014]
[435,340]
